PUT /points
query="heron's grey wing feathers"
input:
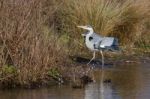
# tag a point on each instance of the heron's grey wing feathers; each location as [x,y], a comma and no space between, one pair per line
[115,45]
[109,43]
[115,42]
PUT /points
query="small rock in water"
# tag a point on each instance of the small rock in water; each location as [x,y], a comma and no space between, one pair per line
[80,83]
[77,86]
[107,81]
[86,79]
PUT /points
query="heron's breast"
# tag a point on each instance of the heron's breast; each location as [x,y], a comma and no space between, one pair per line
[90,44]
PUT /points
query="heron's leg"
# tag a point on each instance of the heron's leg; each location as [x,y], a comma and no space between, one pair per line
[91,68]
[102,58]
[90,62]
[102,75]
[92,58]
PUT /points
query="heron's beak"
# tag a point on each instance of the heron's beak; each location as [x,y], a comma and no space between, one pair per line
[83,27]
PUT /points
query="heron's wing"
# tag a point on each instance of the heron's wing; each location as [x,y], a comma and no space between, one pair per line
[109,43]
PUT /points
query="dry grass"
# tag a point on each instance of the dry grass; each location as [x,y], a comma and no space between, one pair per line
[27,41]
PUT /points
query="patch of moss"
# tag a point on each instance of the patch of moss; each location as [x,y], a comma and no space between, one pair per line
[54,73]
[8,69]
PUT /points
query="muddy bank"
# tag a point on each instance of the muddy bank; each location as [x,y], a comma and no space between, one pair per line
[78,74]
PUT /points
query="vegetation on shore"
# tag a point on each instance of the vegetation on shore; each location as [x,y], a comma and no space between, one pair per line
[37,37]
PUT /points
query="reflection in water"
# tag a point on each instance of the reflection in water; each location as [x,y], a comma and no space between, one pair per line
[127,82]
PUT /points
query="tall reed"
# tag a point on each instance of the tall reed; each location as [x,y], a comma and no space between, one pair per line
[124,19]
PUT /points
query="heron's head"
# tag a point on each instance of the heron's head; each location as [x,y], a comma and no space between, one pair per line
[87,27]
[84,34]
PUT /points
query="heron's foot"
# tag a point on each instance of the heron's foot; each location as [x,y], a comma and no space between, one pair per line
[89,62]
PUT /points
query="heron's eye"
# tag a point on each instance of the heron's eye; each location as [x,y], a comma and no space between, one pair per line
[90,38]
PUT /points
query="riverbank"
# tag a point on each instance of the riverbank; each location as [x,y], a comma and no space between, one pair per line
[73,74]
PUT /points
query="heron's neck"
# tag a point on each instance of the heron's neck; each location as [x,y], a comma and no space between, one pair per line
[91,31]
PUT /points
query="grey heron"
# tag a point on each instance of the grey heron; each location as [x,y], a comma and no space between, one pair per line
[96,42]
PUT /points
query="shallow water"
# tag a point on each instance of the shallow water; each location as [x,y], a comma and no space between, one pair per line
[128,81]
